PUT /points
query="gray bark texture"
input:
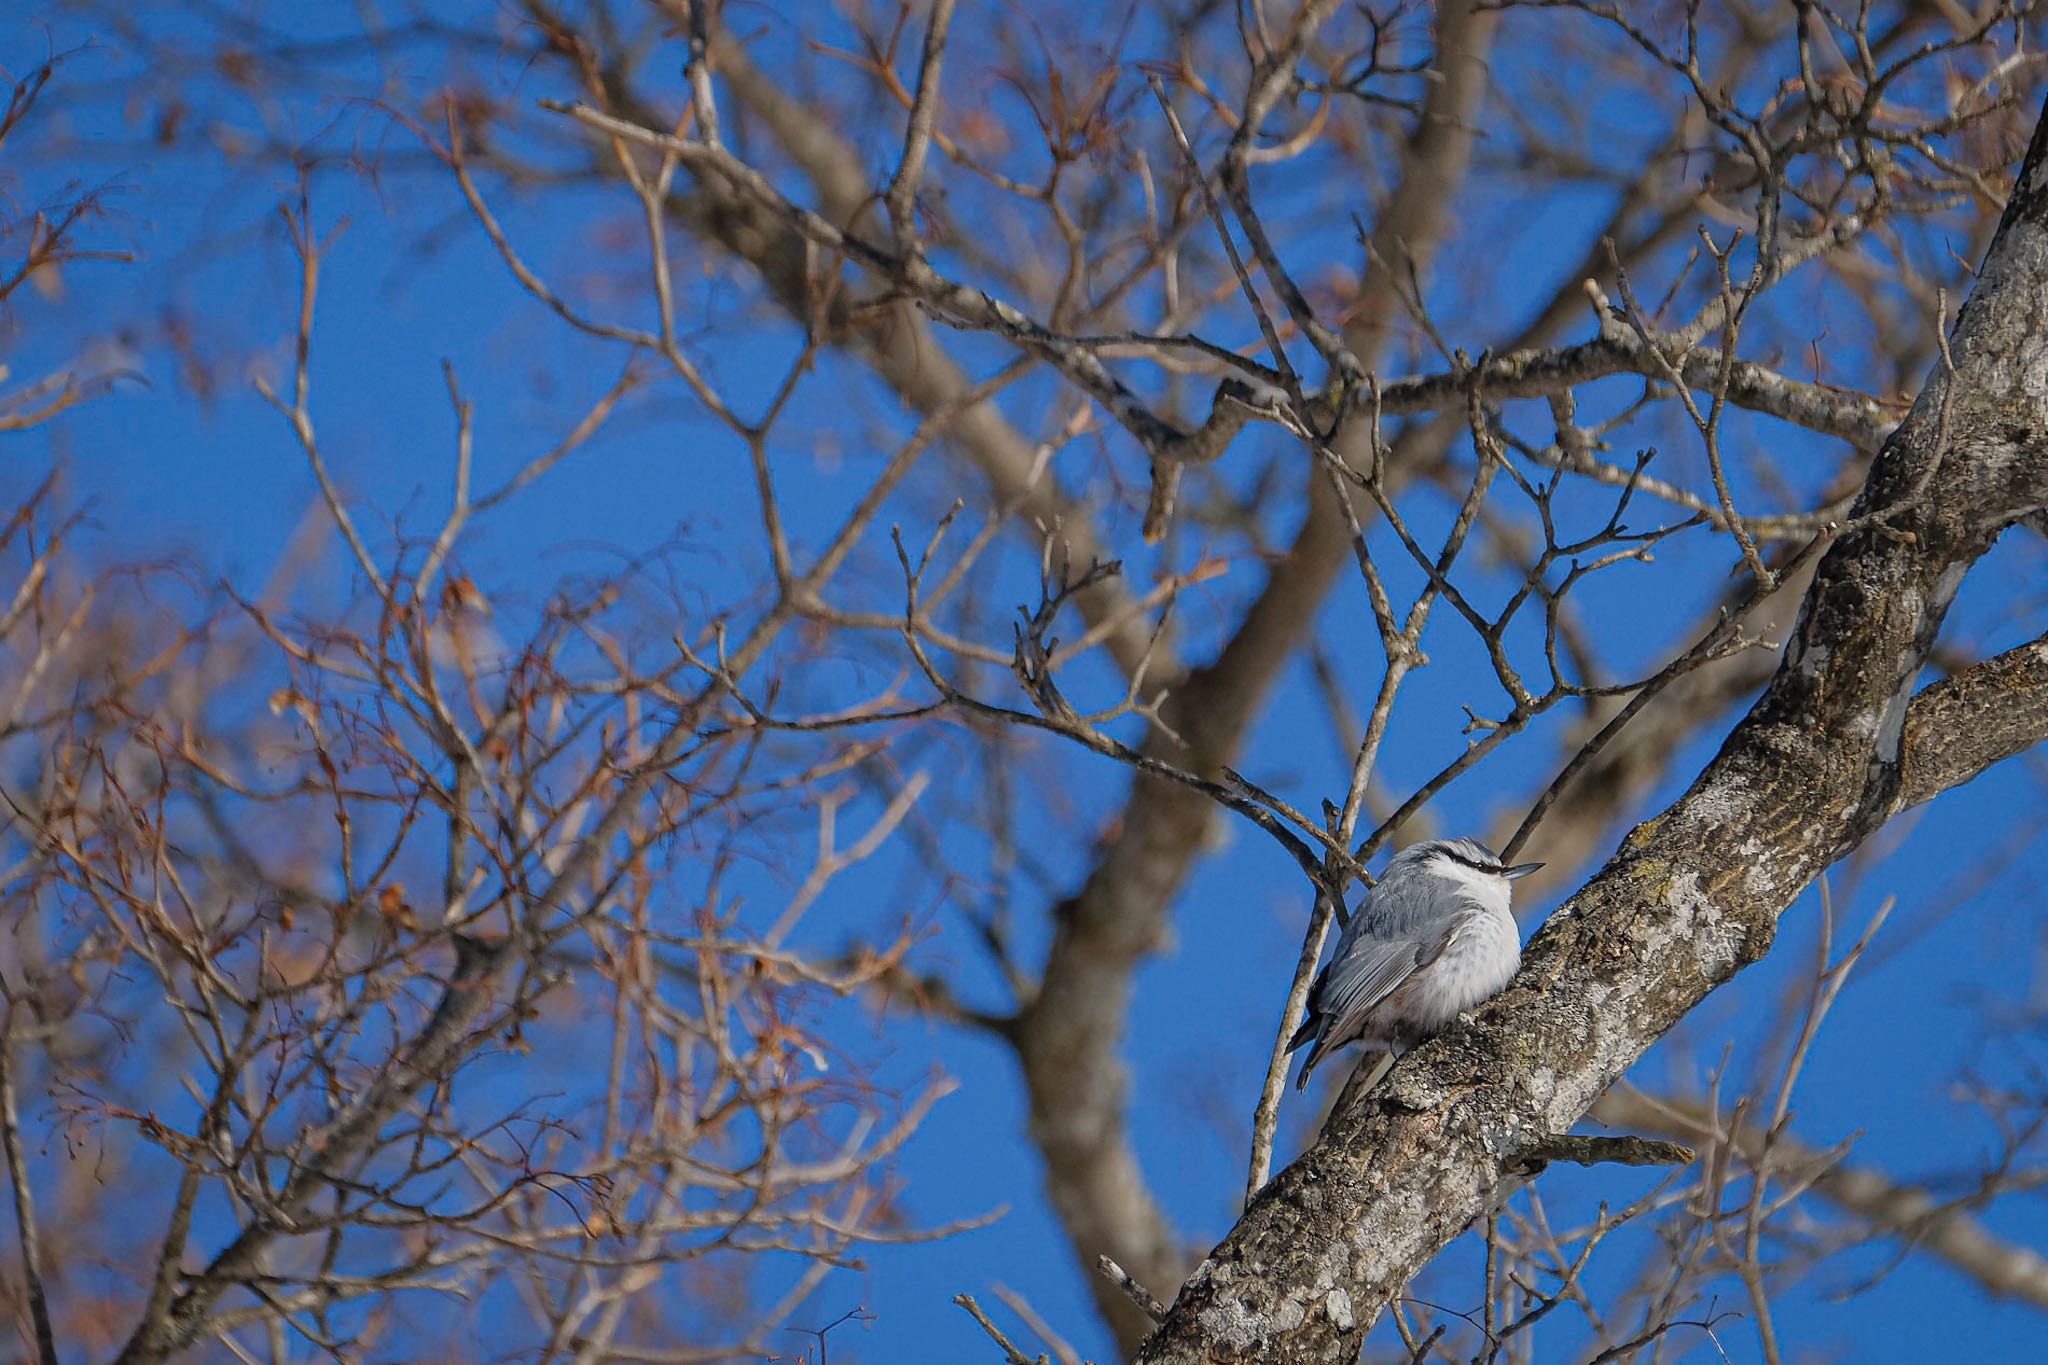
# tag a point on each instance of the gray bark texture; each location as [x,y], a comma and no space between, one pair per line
[1837,744]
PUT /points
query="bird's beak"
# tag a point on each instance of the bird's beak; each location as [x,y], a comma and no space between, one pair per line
[1522,870]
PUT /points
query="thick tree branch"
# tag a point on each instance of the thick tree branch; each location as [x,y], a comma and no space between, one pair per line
[1590,1149]
[1694,894]
[1982,716]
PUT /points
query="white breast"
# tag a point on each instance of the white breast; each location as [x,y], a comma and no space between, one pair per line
[1482,957]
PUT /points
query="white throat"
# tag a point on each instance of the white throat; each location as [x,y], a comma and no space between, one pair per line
[1489,890]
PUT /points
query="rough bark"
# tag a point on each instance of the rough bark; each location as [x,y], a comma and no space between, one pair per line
[1694,894]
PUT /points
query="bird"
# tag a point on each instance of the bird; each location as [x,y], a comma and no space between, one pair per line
[1433,938]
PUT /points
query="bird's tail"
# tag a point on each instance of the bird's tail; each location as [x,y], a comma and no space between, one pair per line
[1311,1030]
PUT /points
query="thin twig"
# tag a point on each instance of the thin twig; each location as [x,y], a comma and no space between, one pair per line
[1132,1290]
[24,1200]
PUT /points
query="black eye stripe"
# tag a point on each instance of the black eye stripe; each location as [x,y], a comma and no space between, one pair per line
[1462,860]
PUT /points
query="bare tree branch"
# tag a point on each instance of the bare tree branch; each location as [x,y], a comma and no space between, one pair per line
[1907,1212]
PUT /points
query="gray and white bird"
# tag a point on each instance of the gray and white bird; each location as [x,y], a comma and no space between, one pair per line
[1431,940]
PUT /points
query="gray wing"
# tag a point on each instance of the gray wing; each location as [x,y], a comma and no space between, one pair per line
[1396,930]
[1363,974]
[1370,971]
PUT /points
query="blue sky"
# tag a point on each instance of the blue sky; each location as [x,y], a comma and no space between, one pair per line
[212,479]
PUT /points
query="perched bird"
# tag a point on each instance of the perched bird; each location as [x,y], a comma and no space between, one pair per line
[1432,939]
